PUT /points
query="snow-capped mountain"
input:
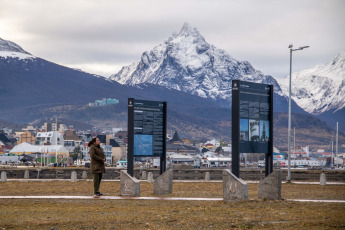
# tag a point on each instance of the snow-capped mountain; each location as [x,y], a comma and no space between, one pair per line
[319,89]
[9,49]
[186,62]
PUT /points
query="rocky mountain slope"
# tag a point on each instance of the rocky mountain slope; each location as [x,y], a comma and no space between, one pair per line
[320,90]
[186,62]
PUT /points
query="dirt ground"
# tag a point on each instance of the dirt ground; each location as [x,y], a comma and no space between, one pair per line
[157,214]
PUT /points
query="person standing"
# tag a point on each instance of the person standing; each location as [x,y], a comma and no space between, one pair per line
[97,167]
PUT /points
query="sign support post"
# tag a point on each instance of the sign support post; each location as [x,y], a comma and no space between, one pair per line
[130,153]
[235,165]
[163,158]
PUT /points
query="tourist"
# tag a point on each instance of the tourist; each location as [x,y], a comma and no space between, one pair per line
[97,164]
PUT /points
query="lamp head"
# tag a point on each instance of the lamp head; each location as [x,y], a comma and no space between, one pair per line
[290,46]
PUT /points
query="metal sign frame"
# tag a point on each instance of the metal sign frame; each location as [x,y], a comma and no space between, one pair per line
[253,94]
[139,117]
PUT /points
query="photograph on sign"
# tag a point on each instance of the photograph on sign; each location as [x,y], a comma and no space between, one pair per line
[254,130]
[244,129]
[264,131]
[143,145]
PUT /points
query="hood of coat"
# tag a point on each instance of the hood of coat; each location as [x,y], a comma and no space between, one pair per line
[93,145]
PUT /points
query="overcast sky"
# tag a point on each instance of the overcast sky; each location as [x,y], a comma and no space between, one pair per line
[102,36]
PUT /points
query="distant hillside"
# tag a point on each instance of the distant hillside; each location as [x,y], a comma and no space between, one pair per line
[214,123]
[10,125]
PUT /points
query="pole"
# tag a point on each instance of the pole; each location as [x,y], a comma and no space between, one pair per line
[294,146]
[289,124]
[245,160]
[336,144]
[332,160]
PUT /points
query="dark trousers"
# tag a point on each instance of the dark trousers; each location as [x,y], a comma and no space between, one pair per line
[97,177]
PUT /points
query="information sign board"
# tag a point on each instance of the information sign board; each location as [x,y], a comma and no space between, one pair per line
[252,119]
[146,129]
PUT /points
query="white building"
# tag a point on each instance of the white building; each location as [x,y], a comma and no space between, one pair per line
[26,148]
[52,138]
[213,142]
[174,158]
[217,162]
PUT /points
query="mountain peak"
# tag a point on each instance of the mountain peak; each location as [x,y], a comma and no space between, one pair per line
[340,58]
[186,62]
[189,30]
[10,49]
[9,46]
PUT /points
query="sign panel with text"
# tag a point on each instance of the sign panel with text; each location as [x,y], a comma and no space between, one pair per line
[146,130]
[252,118]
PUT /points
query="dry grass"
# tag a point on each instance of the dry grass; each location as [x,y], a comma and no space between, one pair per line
[149,214]
[85,188]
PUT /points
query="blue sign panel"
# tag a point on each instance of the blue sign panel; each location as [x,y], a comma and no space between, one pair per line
[143,145]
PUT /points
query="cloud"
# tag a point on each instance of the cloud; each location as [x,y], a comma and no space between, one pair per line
[111,33]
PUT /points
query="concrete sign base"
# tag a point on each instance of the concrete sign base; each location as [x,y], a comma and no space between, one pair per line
[129,186]
[234,189]
[271,186]
[163,184]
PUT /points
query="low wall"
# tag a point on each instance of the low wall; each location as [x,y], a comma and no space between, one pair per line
[179,174]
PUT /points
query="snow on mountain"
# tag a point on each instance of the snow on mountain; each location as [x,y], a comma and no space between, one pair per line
[9,49]
[319,89]
[186,62]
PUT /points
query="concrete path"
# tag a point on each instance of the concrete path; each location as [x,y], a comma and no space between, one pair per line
[149,198]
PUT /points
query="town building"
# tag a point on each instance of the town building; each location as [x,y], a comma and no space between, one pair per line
[104,102]
[54,126]
[71,140]
[26,136]
[176,145]
[8,141]
[121,137]
[49,138]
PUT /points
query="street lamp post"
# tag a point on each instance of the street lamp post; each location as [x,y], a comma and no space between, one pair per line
[289,119]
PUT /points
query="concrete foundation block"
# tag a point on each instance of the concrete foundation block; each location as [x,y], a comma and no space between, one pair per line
[26,174]
[84,175]
[150,177]
[271,186]
[163,184]
[3,177]
[143,175]
[129,186]
[323,179]
[234,189]
[207,176]
[74,177]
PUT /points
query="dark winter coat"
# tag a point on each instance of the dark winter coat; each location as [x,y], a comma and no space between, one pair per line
[97,159]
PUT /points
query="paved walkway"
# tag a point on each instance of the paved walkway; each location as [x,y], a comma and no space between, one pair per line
[149,198]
